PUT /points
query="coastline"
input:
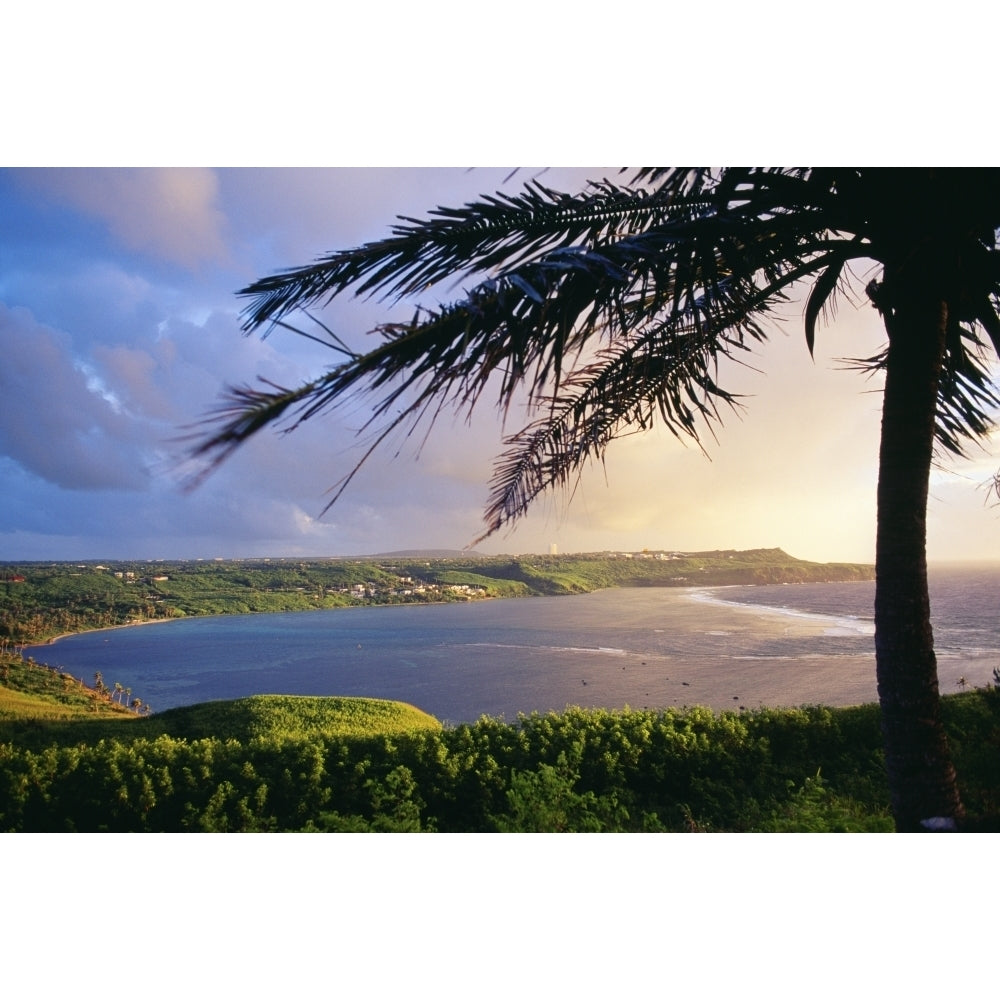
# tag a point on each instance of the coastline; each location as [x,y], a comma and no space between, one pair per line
[728,654]
[616,647]
[52,640]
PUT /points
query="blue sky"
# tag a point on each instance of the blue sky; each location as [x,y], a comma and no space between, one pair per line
[119,327]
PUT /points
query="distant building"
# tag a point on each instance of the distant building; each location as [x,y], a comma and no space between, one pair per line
[553,549]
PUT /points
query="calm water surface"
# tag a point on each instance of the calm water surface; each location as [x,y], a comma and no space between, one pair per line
[724,647]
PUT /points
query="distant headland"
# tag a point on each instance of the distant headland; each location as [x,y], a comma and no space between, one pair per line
[44,600]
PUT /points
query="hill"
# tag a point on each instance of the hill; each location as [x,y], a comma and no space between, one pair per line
[51,599]
[40,706]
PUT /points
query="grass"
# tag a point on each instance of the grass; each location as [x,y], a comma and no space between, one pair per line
[289,717]
[35,692]
[40,706]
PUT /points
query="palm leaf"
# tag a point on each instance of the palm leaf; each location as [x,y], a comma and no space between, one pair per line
[824,287]
[604,310]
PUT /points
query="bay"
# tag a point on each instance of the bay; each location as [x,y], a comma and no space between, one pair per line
[728,648]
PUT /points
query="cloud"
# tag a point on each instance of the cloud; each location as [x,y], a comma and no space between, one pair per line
[168,213]
[133,373]
[58,419]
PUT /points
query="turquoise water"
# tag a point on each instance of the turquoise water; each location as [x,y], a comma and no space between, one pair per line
[725,647]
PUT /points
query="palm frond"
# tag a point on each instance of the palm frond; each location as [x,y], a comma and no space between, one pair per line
[664,262]
[821,294]
[501,229]
[967,399]
[604,311]
[501,232]
[526,325]
[666,375]
[242,412]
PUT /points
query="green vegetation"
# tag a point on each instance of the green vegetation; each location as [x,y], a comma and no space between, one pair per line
[336,764]
[32,694]
[39,602]
[40,706]
[574,574]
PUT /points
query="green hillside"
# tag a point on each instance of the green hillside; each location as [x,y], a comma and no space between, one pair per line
[39,601]
[39,706]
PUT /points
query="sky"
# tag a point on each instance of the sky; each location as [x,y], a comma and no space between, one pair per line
[120,327]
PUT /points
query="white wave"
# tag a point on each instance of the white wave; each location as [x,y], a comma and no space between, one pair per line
[606,650]
[835,625]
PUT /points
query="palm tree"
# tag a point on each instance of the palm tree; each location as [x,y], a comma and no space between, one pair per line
[610,310]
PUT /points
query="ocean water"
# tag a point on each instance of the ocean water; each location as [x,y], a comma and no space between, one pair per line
[729,648]
[965,607]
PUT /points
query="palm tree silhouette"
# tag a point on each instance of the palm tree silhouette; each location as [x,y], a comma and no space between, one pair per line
[610,309]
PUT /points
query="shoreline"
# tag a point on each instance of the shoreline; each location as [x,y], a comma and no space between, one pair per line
[691,593]
[52,640]
[688,588]
[707,668]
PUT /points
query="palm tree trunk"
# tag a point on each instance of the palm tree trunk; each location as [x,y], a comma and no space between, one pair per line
[921,776]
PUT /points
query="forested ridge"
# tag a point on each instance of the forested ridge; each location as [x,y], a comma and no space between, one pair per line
[40,601]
